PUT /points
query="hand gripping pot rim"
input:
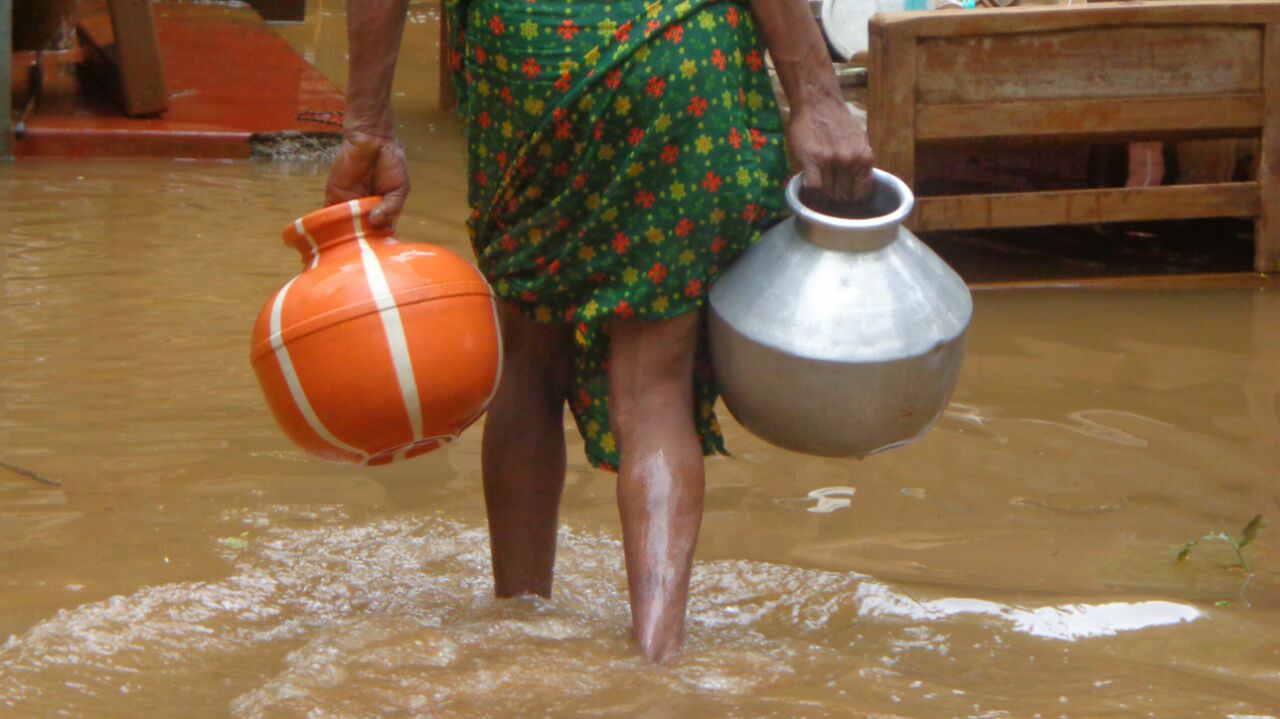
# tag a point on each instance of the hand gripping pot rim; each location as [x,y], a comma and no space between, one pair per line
[426,323]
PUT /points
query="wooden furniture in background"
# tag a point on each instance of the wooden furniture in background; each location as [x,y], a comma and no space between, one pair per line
[1181,69]
[277,10]
[121,51]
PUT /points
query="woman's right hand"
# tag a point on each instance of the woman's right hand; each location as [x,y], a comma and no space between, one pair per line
[370,164]
[834,158]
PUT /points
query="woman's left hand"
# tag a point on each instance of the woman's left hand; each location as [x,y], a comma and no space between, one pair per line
[370,164]
[831,149]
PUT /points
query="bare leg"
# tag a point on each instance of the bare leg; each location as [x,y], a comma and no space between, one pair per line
[523,456]
[660,480]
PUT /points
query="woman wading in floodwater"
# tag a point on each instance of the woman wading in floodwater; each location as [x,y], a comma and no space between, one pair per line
[621,154]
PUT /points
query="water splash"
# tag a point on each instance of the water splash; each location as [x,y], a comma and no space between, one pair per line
[323,617]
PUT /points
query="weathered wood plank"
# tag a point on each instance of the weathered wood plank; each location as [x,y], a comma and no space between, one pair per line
[1075,207]
[6,60]
[1140,117]
[891,119]
[1093,63]
[1013,20]
[1267,235]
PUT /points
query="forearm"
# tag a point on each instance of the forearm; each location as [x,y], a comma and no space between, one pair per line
[798,51]
[374,29]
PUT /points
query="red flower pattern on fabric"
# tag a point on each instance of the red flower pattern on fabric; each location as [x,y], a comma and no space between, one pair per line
[604,145]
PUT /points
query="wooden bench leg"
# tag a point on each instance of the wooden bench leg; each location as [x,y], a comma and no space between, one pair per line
[891,117]
[1267,238]
[121,50]
[6,57]
[277,10]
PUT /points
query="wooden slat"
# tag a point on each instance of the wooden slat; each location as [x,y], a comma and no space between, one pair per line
[1228,114]
[1094,63]
[891,117]
[1074,17]
[6,60]
[1033,209]
[1267,236]
[1215,281]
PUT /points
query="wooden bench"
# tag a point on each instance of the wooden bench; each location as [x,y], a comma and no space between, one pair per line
[1180,69]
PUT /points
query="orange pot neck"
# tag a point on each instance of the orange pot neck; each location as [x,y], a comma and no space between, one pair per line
[333,226]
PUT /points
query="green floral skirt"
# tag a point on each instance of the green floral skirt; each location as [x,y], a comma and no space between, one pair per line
[621,154]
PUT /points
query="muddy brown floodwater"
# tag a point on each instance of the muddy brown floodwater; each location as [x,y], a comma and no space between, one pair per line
[1019,561]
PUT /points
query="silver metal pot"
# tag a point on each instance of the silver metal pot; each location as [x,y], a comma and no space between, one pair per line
[839,337]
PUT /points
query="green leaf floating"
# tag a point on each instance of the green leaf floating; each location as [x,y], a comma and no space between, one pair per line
[1247,535]
[1255,525]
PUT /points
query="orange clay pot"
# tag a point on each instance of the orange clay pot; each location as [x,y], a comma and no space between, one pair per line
[378,350]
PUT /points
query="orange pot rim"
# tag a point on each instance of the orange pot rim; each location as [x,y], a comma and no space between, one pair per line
[328,217]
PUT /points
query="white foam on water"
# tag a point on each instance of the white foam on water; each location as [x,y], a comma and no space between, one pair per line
[1068,622]
[321,617]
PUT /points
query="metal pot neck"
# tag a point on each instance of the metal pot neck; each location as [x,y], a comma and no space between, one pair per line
[889,207]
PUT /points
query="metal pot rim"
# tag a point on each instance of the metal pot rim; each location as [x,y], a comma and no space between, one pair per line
[881,178]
